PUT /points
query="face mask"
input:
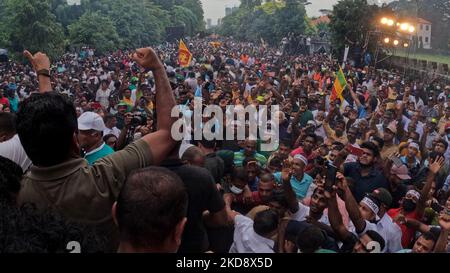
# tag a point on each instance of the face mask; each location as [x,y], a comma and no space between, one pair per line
[236,190]
[408,205]
[410,113]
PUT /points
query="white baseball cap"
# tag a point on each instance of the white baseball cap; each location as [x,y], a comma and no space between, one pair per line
[91,121]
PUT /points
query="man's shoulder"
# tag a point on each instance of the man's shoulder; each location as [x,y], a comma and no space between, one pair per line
[199,173]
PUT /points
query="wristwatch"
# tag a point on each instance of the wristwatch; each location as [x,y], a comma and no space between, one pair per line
[43,72]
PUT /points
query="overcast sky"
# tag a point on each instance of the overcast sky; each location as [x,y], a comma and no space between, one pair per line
[215,9]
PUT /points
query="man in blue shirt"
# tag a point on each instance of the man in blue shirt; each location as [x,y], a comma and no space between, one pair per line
[300,181]
[91,126]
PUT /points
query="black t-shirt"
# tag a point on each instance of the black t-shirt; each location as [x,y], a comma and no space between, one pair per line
[203,195]
[397,195]
[215,166]
[364,184]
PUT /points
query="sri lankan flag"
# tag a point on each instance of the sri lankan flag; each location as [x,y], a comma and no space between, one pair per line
[184,55]
[338,87]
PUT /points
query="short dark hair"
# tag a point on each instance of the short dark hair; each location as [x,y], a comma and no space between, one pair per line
[247,160]
[286,142]
[310,239]
[208,144]
[10,176]
[375,236]
[239,173]
[265,222]
[152,202]
[313,136]
[26,229]
[279,196]
[440,140]
[46,124]
[191,153]
[429,236]
[371,146]
[379,140]
[7,123]
[266,177]
[109,117]
[276,162]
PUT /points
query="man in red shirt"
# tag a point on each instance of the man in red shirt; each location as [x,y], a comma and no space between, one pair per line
[307,150]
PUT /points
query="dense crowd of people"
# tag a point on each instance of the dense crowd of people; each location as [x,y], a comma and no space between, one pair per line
[87,155]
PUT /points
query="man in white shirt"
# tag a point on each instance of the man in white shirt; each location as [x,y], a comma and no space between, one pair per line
[10,146]
[371,214]
[255,236]
[252,236]
[110,126]
[102,95]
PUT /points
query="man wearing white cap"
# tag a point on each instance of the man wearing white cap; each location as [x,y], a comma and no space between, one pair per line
[300,181]
[90,137]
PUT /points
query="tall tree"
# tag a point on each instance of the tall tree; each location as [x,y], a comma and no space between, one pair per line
[34,27]
[95,30]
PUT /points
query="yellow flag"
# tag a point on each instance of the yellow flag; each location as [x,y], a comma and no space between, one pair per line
[184,55]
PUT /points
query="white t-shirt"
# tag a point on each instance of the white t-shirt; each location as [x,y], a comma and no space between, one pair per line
[115,131]
[103,97]
[13,150]
[246,240]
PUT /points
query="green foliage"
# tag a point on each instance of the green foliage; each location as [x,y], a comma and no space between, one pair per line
[94,30]
[138,23]
[351,21]
[183,16]
[32,26]
[105,24]
[271,21]
[196,7]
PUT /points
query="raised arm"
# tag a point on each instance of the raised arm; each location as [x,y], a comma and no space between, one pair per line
[335,217]
[442,242]
[434,168]
[41,65]
[287,187]
[351,204]
[160,142]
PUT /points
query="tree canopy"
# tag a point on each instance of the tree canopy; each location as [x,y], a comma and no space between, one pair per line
[271,21]
[52,25]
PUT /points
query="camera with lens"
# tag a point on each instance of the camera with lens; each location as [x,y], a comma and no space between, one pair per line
[136,120]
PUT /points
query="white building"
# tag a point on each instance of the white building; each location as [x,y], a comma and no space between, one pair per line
[424,33]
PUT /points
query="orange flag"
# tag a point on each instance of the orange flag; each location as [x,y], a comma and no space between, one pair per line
[184,55]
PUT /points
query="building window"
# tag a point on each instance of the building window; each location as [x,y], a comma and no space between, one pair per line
[421,27]
[420,38]
[427,28]
[426,39]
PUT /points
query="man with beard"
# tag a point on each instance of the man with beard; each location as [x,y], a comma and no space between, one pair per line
[365,175]
[413,204]
[300,181]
